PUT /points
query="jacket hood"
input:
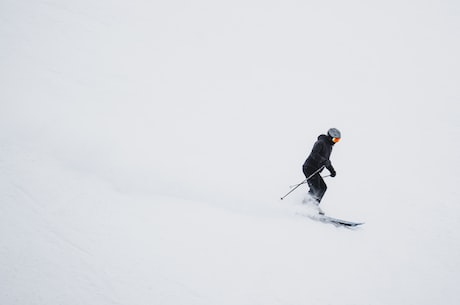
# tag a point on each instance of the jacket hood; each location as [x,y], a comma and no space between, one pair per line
[326,139]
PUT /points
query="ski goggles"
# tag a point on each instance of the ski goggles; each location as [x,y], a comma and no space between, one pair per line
[335,140]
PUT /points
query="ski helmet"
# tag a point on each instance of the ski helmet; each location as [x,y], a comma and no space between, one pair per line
[334,133]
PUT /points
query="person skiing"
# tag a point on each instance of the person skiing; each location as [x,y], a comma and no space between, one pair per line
[317,161]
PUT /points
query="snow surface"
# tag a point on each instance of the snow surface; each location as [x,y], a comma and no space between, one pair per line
[144,146]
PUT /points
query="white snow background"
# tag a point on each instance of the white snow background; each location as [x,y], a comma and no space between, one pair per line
[145,145]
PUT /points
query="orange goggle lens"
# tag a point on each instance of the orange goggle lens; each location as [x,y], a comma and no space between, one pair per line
[335,140]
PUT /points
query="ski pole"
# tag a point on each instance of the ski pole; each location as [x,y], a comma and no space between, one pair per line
[303,182]
[296,185]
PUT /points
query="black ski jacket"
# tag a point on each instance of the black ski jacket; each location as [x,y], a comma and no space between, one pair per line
[320,154]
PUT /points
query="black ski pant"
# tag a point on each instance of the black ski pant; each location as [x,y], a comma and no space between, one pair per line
[316,183]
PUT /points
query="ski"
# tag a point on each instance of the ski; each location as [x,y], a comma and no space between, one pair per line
[335,221]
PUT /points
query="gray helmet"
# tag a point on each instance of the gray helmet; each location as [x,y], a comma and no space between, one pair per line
[334,133]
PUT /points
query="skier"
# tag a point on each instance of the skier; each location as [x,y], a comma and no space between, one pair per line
[316,161]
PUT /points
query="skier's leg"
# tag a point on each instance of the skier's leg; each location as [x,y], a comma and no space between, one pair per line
[315,187]
[322,188]
[316,191]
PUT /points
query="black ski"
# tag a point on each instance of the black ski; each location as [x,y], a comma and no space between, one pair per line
[335,221]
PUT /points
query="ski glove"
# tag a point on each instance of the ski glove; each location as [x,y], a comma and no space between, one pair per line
[333,173]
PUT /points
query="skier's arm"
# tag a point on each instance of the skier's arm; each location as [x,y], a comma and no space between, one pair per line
[330,168]
[316,153]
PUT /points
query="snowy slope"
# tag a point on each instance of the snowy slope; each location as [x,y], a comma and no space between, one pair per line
[79,240]
[144,147]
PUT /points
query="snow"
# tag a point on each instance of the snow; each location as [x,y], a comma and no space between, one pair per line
[144,148]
